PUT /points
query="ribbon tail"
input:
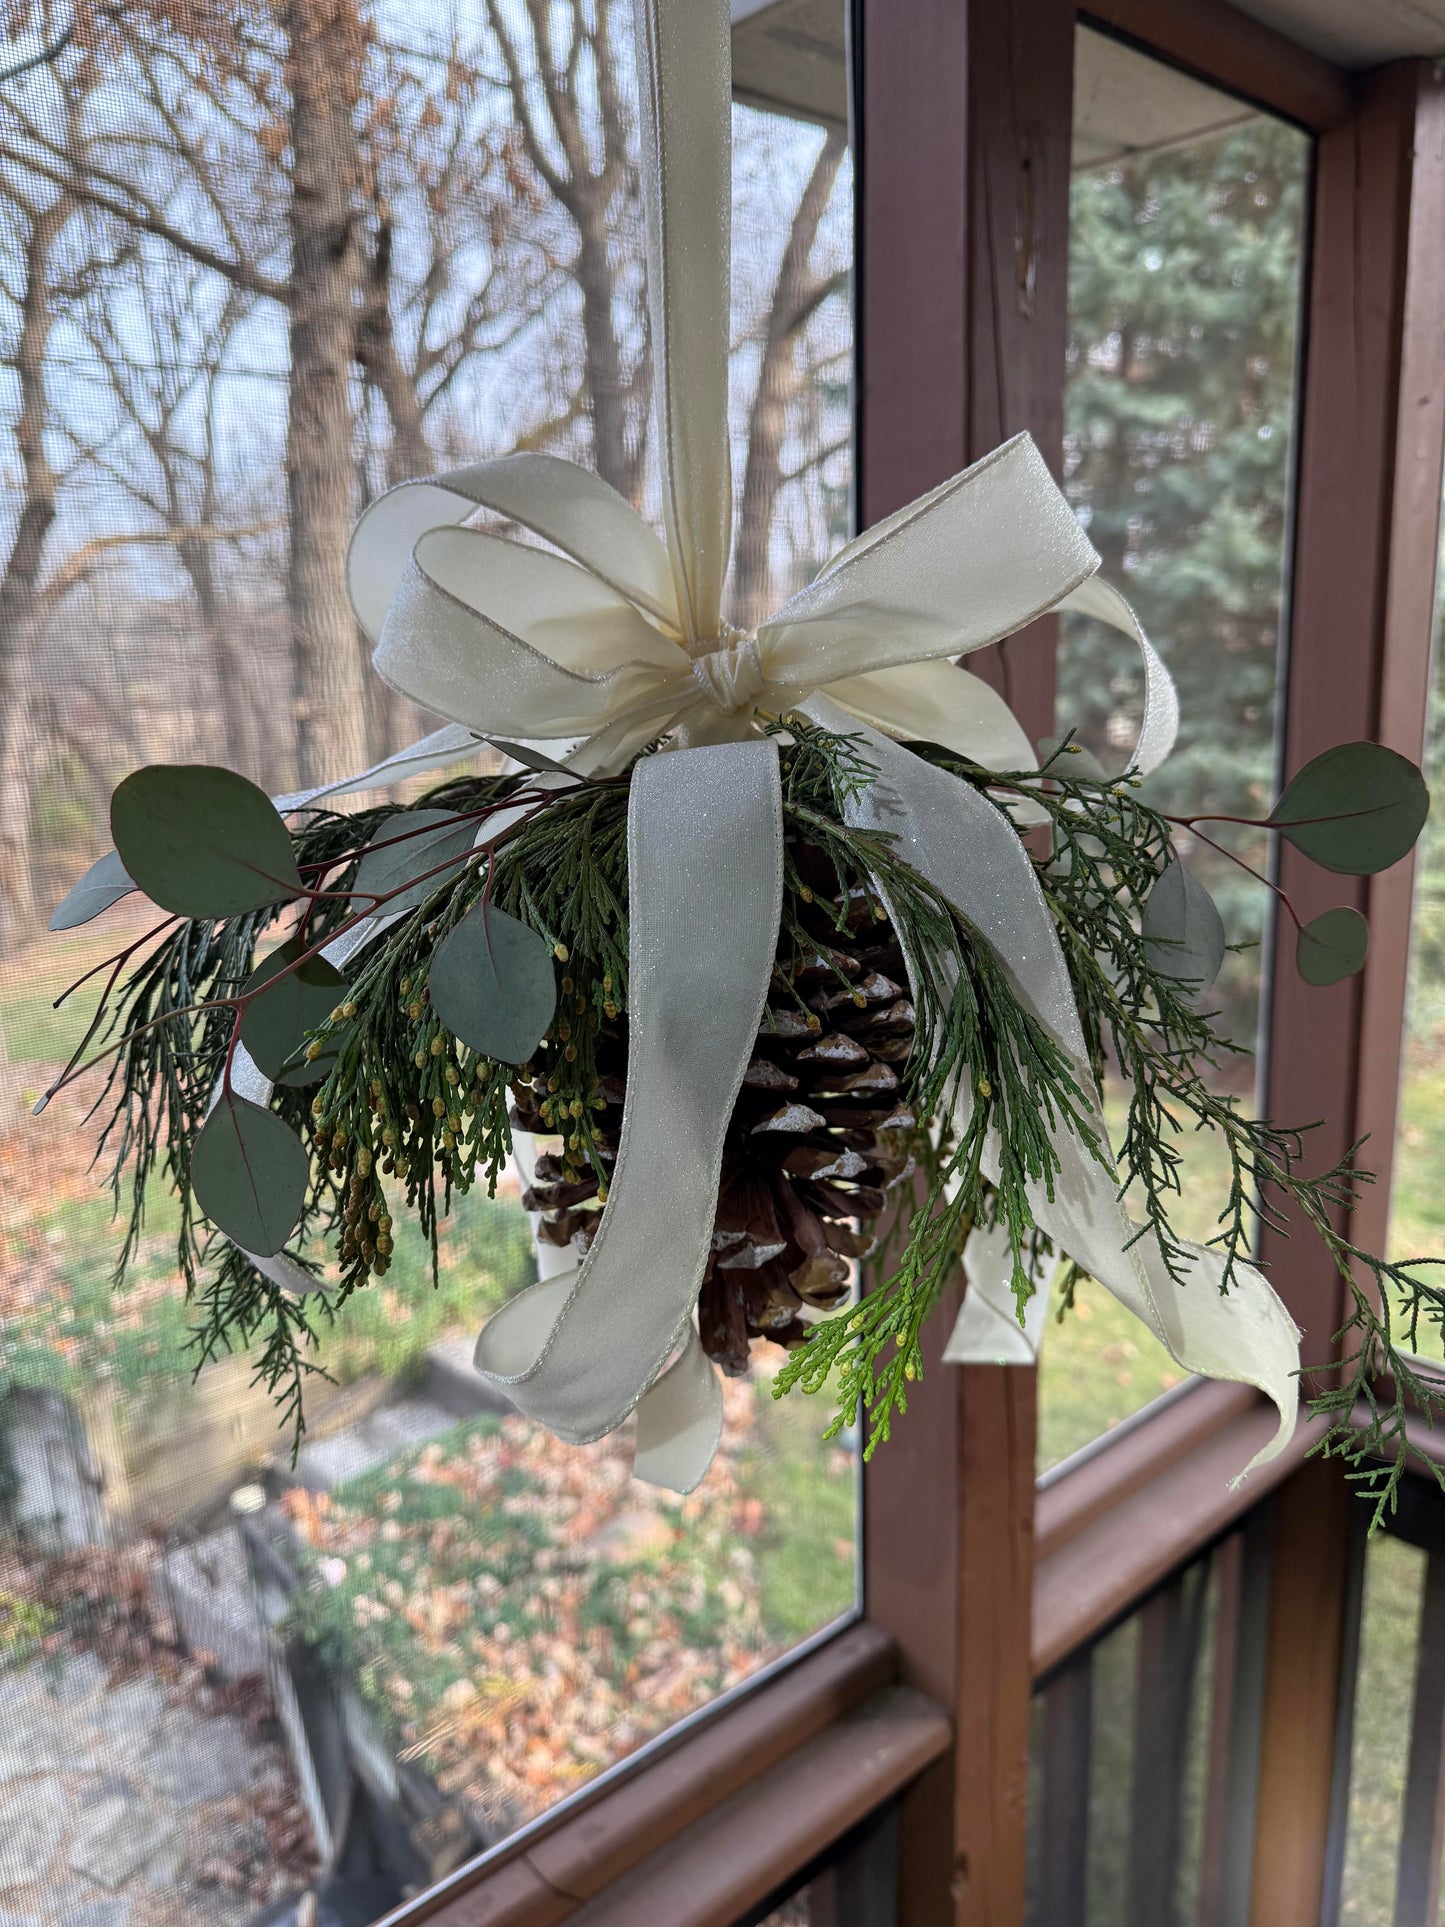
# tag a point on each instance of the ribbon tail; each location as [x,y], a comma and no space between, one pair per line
[679,1421]
[453,744]
[942,827]
[987,1329]
[705,871]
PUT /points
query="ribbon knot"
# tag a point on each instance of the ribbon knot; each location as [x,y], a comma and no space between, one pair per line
[731,677]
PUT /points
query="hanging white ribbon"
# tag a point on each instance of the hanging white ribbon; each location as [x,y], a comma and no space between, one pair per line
[579,1350]
[608,638]
[961,844]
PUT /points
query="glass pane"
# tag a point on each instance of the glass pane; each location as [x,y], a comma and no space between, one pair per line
[331,266]
[1384,1691]
[1417,1210]
[1184,281]
[1143,1837]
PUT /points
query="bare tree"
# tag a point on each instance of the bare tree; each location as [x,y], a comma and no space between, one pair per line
[574,126]
[324,60]
[164,367]
[797,295]
[464,245]
[38,218]
[432,237]
[224,103]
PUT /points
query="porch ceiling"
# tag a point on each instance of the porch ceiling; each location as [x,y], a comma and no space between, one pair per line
[788,55]
[1356,33]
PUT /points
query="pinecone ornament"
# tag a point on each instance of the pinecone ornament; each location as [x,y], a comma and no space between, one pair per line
[818,1137]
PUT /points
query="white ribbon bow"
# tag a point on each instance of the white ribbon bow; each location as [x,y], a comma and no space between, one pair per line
[611,636]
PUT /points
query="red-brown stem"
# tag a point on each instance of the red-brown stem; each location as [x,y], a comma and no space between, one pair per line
[117,958]
[243,998]
[1248,868]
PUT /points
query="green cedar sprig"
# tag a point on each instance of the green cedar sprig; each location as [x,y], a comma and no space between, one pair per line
[407,1113]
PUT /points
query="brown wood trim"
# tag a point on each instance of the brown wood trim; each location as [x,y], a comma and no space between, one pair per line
[749,1846]
[1408,619]
[1095,1574]
[547,1874]
[1067,1504]
[1229,49]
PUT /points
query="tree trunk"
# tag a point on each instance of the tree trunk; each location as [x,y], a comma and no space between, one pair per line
[22,570]
[794,298]
[408,454]
[617,460]
[323,70]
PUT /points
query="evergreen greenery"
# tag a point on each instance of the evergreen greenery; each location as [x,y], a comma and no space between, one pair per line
[405,1109]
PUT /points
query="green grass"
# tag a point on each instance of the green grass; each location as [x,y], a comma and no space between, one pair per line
[88,1327]
[1098,1363]
[1389,1631]
[1417,1198]
[520,1612]
[808,1492]
[139,1334]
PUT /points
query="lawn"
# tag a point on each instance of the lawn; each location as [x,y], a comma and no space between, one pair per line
[64,1323]
[1099,1365]
[521,1613]
[1389,1631]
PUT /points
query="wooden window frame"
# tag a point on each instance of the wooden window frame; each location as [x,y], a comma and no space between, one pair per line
[975,1583]
[991,136]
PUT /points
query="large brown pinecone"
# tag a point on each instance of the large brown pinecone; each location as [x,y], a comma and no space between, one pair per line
[817,1138]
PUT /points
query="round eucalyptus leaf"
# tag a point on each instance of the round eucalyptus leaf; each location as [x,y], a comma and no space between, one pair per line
[412,844]
[249,1173]
[1354,810]
[201,841]
[104,883]
[1183,929]
[274,1028]
[1332,946]
[493,986]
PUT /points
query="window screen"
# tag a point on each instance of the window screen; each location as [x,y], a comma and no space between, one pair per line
[256,264]
[1186,219]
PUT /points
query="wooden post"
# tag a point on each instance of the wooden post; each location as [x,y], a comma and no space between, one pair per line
[963,136]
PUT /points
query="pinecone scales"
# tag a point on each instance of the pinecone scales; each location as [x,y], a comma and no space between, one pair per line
[817,1138]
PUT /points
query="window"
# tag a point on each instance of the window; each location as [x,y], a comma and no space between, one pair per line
[1186,219]
[1417,1216]
[1390,1625]
[247,280]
